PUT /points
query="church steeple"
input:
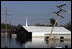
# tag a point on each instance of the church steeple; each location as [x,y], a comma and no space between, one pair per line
[26,22]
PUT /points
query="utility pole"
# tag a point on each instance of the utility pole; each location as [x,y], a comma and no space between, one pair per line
[6,14]
[58,14]
[10,33]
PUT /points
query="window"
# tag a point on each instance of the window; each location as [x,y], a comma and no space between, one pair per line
[61,40]
[61,37]
[47,37]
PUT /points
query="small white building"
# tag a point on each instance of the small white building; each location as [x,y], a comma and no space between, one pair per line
[14,36]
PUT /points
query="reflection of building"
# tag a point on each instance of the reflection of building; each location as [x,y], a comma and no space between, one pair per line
[39,33]
[23,35]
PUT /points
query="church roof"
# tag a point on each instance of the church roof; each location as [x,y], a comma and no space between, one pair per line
[45,29]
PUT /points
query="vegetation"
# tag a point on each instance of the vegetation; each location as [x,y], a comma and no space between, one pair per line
[67,26]
[18,26]
[37,24]
[10,28]
[3,26]
[52,21]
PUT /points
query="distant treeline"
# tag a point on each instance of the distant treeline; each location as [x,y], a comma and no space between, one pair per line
[52,21]
[9,26]
[67,25]
[3,26]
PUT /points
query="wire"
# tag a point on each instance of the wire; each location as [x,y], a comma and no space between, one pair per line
[53,28]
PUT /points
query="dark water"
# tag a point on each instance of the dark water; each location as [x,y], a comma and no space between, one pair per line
[34,43]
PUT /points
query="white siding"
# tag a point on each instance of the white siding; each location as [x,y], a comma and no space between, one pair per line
[39,29]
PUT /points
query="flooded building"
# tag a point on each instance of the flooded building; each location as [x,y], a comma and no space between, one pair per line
[40,31]
[44,32]
[14,36]
[40,35]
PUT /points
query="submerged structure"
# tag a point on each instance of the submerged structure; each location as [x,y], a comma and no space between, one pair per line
[44,32]
[39,31]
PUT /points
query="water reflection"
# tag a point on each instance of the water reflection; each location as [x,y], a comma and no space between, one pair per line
[34,43]
[22,41]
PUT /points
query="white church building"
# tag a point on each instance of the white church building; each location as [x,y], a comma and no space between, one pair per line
[43,31]
[40,31]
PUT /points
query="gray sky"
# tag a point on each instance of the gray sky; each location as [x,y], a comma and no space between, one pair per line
[36,11]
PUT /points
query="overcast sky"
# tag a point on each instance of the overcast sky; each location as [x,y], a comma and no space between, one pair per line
[36,12]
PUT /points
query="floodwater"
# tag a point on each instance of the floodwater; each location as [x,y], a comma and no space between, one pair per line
[33,43]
